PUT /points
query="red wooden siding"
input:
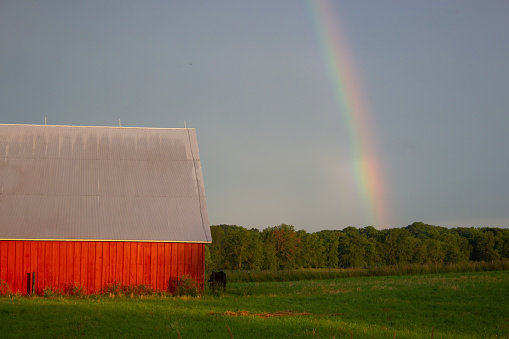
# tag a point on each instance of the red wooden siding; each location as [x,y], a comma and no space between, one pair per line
[93,264]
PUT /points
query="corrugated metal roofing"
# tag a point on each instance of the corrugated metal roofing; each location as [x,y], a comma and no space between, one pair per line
[101,183]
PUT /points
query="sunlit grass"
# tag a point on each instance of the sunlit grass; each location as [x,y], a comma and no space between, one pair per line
[459,305]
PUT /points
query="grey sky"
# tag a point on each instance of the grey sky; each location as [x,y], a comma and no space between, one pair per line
[250,77]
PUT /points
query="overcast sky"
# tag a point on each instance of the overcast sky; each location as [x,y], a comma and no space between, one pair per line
[252,78]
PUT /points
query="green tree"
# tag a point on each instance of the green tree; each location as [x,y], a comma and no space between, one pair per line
[470,235]
[425,231]
[287,243]
[330,240]
[456,248]
[216,248]
[420,253]
[501,241]
[352,249]
[269,250]
[302,256]
[281,247]
[311,252]
[435,251]
[236,245]
[370,232]
[372,256]
[396,246]
[208,260]
[255,250]
[504,248]
[484,247]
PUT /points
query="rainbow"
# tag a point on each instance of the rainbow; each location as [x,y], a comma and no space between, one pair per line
[353,107]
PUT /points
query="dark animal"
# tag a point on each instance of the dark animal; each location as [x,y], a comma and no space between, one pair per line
[217,279]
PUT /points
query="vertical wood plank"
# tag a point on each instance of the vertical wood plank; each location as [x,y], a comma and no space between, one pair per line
[14,267]
[91,266]
[3,259]
[112,261]
[76,277]
[146,263]
[139,263]
[54,259]
[56,264]
[160,267]
[48,252]
[133,278]
[190,254]
[70,265]
[119,262]
[167,264]
[188,258]
[98,265]
[194,260]
[174,261]
[153,265]
[84,264]
[39,282]
[62,267]
[34,246]
[26,264]
[127,263]
[106,263]
[11,261]
[19,276]
[181,259]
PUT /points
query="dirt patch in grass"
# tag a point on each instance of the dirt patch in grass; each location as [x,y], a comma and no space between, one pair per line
[276,314]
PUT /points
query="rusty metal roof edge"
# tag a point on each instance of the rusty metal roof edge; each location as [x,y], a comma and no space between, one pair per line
[110,240]
[115,127]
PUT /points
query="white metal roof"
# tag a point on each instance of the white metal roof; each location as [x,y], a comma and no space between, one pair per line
[101,183]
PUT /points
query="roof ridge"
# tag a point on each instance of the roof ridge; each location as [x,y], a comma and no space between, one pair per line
[114,127]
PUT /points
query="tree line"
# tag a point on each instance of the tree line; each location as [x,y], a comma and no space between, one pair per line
[282,247]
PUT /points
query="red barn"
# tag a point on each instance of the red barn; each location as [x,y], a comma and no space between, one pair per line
[88,206]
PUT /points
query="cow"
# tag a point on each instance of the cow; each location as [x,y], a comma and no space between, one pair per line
[217,279]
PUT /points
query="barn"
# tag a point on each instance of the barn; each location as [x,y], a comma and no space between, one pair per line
[90,206]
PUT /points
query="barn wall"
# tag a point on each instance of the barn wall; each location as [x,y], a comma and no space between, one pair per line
[93,264]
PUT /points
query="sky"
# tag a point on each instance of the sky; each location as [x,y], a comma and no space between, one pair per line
[317,114]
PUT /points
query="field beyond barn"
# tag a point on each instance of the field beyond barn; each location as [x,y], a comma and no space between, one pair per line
[451,305]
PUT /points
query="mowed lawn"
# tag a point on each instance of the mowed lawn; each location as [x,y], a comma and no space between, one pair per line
[457,305]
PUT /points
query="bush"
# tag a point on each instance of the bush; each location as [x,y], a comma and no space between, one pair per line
[75,290]
[4,288]
[117,289]
[51,291]
[114,288]
[184,286]
[138,290]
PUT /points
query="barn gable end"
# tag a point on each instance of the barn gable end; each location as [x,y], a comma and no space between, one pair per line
[94,205]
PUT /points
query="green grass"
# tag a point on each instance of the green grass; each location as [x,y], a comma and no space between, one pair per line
[456,305]
[384,270]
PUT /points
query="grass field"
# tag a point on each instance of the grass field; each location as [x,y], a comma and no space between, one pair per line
[451,305]
[384,270]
